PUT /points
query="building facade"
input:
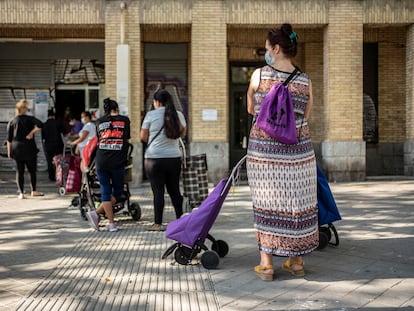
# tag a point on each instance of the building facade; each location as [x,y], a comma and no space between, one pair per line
[358,53]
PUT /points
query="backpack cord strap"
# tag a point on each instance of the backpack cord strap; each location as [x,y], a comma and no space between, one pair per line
[291,76]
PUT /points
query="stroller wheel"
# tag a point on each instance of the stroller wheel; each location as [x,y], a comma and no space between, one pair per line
[210,259]
[135,211]
[327,231]
[323,240]
[62,191]
[220,247]
[181,256]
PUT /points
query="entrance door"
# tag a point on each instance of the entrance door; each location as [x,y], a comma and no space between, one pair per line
[240,123]
[73,100]
[240,120]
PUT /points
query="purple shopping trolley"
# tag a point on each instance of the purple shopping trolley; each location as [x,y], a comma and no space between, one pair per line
[191,230]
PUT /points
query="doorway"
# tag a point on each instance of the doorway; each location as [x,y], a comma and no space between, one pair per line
[69,100]
[240,120]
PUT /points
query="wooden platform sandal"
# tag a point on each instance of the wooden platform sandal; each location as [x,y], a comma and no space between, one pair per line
[265,273]
[287,266]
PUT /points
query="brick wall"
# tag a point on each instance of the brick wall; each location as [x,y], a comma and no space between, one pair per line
[391,86]
[209,71]
[343,44]
[409,91]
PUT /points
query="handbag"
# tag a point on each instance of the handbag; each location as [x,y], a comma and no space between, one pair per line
[276,116]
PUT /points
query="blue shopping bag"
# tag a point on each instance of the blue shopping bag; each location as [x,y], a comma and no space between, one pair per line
[328,211]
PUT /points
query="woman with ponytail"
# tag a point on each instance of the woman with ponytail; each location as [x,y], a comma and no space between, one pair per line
[161,129]
[282,177]
[113,131]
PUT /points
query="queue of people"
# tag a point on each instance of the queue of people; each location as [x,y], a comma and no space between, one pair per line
[282,177]
[22,148]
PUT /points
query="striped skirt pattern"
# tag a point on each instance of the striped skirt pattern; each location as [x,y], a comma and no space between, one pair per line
[282,180]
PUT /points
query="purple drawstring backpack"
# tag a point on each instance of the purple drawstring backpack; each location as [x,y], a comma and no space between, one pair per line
[276,116]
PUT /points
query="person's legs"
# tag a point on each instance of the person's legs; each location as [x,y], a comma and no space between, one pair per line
[117,178]
[106,198]
[32,167]
[118,181]
[153,169]
[265,270]
[173,167]
[50,166]
[294,265]
[20,166]
[106,194]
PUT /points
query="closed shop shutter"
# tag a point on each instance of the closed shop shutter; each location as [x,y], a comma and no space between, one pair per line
[21,79]
[166,65]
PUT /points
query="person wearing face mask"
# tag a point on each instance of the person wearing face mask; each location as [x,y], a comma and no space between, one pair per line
[282,177]
[87,132]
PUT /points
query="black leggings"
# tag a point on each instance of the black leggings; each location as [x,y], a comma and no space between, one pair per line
[31,167]
[165,173]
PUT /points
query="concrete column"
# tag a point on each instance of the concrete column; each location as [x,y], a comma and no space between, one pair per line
[343,150]
[123,27]
[209,86]
[409,102]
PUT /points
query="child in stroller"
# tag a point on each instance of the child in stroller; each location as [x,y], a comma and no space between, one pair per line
[90,195]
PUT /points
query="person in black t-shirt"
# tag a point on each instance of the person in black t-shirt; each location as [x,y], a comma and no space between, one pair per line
[21,146]
[113,131]
[52,141]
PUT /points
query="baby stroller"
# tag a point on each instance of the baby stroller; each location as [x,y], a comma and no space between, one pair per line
[191,230]
[68,173]
[90,197]
[327,212]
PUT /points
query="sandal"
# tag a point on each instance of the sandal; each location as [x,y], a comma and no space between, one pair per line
[37,194]
[287,266]
[264,276]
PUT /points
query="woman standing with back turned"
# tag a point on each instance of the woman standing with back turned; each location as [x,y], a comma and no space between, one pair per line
[21,146]
[282,177]
[114,132]
[161,129]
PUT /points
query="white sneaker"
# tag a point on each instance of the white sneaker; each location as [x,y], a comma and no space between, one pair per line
[93,219]
[112,227]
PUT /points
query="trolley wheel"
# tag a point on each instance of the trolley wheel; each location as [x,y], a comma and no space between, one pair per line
[135,211]
[210,259]
[181,257]
[62,191]
[323,240]
[327,231]
[83,213]
[220,247]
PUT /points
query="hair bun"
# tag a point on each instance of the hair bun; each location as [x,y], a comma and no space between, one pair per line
[286,29]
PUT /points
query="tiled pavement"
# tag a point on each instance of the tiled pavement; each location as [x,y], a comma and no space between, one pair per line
[51,260]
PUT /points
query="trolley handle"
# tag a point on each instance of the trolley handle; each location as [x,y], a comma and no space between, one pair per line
[234,174]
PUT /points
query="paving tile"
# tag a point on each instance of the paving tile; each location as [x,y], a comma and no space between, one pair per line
[51,260]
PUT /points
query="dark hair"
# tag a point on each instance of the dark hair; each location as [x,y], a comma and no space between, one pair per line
[286,38]
[171,122]
[88,114]
[110,105]
[50,113]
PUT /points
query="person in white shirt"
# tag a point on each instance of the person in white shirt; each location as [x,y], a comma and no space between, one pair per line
[87,132]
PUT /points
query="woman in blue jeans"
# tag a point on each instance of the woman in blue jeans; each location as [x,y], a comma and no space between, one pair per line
[113,132]
[161,129]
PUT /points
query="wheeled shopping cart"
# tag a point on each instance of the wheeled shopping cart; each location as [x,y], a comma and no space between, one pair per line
[191,230]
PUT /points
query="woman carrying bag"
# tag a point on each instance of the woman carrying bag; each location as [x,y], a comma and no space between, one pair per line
[161,129]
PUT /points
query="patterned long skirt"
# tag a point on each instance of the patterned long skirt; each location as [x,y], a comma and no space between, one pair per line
[282,180]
